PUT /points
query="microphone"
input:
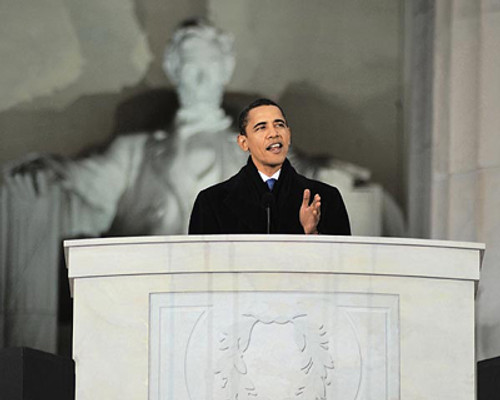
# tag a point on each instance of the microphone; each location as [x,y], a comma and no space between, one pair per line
[267,201]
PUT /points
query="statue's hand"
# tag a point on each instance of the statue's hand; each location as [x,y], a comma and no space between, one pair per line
[35,168]
[310,214]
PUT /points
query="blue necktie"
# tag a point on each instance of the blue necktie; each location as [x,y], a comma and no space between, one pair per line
[270,183]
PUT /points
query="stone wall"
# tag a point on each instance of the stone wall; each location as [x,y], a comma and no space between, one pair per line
[457,196]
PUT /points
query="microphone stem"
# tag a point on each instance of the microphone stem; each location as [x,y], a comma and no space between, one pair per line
[268,210]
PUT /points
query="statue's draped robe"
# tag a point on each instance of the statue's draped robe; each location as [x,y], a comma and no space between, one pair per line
[143,184]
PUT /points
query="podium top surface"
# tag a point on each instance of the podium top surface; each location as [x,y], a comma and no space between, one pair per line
[145,255]
[272,238]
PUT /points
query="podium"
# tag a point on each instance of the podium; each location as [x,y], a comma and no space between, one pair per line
[273,317]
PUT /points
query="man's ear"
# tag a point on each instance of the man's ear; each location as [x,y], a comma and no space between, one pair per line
[242,142]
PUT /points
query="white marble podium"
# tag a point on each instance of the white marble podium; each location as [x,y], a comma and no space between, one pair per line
[273,317]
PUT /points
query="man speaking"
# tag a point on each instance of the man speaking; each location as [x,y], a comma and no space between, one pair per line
[267,195]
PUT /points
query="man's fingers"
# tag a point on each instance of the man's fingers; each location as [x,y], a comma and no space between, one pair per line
[310,214]
[306,197]
[316,202]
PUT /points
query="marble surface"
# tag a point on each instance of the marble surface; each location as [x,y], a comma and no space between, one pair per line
[274,345]
[208,317]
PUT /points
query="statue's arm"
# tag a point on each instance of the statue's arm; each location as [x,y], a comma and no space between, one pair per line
[101,179]
[92,185]
[97,182]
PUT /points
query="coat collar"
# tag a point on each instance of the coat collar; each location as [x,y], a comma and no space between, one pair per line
[245,196]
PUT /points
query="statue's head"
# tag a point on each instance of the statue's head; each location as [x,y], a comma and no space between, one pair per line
[199,61]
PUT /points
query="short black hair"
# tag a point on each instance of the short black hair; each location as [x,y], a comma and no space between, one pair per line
[243,118]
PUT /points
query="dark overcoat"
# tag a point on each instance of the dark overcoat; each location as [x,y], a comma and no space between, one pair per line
[238,205]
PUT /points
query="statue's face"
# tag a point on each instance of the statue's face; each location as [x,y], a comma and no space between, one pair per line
[201,74]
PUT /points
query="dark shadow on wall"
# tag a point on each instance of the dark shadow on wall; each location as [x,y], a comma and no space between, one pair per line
[319,120]
[147,111]
[85,123]
[366,134]
[64,132]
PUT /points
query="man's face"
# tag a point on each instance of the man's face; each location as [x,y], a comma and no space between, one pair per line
[267,138]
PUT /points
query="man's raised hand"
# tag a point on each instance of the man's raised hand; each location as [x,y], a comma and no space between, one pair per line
[310,214]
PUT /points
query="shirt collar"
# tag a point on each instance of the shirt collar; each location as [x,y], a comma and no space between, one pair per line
[264,177]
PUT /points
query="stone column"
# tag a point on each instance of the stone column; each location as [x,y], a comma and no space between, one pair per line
[454,161]
[488,165]
[455,127]
[418,80]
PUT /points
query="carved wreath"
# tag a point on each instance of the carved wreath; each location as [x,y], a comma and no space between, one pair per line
[311,341]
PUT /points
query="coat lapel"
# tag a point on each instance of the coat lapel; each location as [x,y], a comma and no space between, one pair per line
[288,199]
[244,200]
